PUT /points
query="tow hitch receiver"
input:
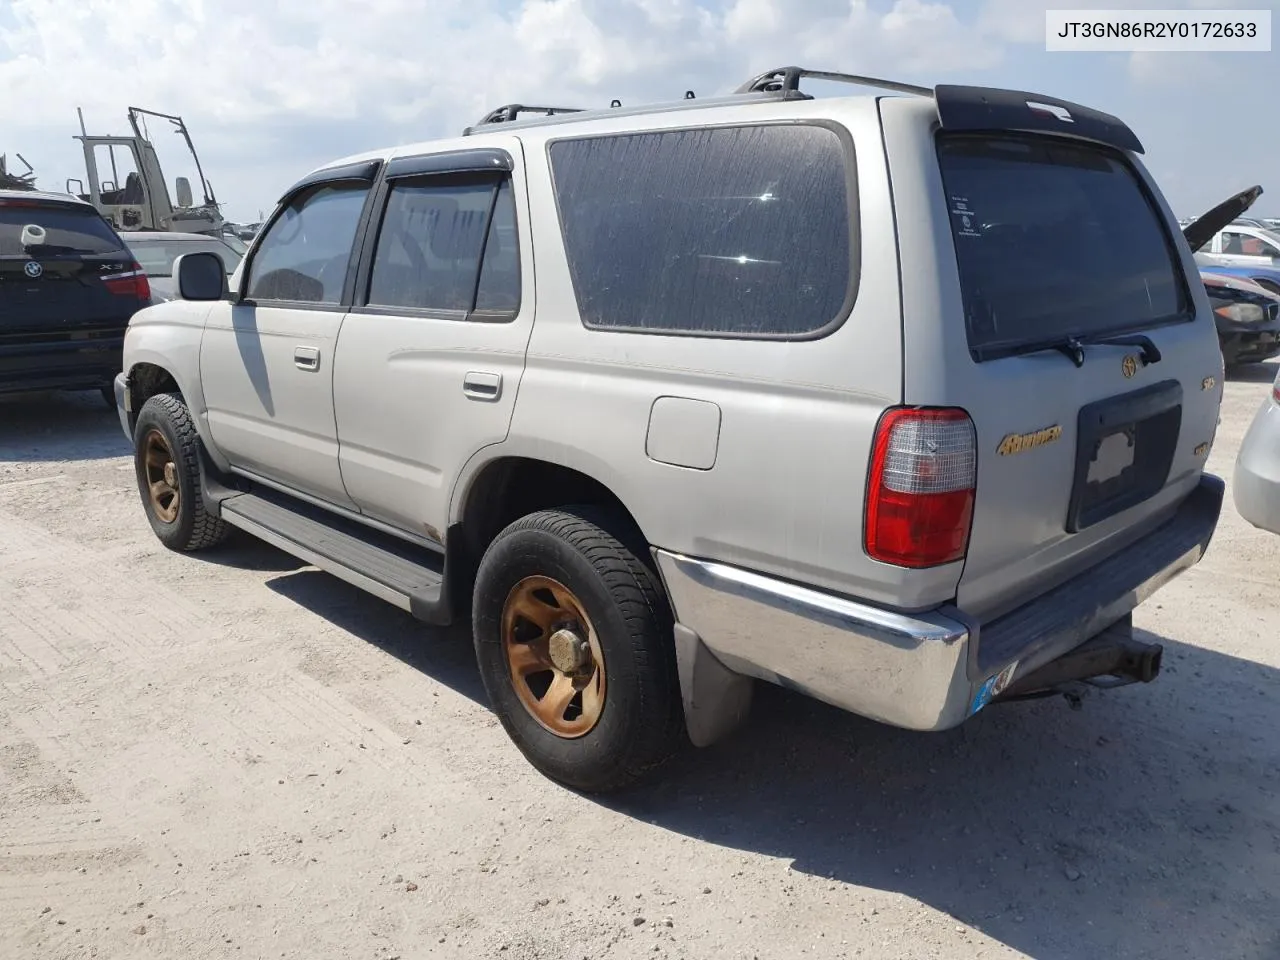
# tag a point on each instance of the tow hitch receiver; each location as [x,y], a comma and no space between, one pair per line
[1113,658]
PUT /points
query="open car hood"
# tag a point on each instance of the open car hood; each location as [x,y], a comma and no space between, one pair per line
[1201,230]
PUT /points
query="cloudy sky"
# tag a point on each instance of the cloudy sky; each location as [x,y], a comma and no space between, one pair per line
[270,91]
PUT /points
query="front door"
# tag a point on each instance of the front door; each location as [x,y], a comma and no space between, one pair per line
[431,355]
[266,361]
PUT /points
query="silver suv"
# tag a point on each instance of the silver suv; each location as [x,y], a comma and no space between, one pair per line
[900,400]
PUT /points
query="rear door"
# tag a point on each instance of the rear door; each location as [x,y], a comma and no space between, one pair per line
[1081,449]
[430,357]
[68,287]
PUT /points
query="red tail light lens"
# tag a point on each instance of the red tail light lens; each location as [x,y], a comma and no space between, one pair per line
[130,283]
[923,477]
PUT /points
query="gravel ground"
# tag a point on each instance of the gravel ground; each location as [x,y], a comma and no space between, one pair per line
[234,755]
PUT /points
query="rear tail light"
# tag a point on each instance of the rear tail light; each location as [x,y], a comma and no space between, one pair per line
[924,470]
[130,283]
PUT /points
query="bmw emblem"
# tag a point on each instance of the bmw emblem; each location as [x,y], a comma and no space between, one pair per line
[32,269]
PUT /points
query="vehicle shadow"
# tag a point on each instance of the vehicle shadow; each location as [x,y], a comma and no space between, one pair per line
[1146,824]
[59,426]
[1263,372]
[445,655]
[246,552]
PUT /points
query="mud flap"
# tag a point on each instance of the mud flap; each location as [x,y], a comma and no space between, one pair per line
[716,700]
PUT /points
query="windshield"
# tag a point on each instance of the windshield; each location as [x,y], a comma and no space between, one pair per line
[66,229]
[1054,240]
[157,256]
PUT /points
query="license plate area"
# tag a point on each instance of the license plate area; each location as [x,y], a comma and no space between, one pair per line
[1124,451]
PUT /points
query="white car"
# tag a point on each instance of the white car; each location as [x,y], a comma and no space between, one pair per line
[1256,484]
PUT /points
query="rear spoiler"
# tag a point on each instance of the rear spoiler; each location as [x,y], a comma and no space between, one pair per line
[963,108]
[990,109]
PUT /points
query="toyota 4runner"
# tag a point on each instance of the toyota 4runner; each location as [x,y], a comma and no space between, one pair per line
[900,400]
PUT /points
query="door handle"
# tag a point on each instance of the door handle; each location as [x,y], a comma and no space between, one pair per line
[306,358]
[482,386]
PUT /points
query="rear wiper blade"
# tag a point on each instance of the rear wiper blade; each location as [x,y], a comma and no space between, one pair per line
[1150,352]
[1073,347]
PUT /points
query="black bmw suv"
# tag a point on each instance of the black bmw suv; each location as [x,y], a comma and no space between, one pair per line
[68,286]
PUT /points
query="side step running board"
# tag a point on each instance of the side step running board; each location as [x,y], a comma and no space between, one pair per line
[392,569]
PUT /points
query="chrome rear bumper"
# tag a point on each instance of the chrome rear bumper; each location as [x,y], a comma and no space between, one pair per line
[927,671]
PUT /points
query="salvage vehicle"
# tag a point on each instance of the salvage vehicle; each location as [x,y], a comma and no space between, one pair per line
[156,251]
[1244,245]
[68,286]
[127,186]
[11,180]
[1247,316]
[1255,482]
[736,436]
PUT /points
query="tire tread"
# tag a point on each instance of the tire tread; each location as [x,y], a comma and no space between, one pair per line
[601,537]
[206,529]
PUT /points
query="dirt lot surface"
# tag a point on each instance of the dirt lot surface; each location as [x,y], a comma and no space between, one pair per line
[234,755]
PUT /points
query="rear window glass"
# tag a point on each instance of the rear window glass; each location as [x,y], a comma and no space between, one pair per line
[1054,240]
[735,231]
[66,230]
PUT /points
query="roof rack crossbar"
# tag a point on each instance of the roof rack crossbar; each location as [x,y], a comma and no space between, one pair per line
[511,111]
[786,81]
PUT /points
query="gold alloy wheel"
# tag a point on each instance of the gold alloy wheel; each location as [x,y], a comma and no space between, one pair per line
[556,664]
[162,477]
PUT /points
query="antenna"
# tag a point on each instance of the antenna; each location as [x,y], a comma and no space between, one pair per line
[80,114]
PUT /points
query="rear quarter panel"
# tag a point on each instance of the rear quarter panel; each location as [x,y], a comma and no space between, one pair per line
[784,494]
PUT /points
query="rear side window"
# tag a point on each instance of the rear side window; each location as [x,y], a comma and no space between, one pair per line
[731,231]
[303,256]
[65,230]
[448,246]
[1054,240]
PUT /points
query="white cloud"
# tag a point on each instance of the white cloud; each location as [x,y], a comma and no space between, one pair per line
[271,90]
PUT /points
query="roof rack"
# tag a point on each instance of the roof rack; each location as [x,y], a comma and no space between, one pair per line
[786,81]
[960,108]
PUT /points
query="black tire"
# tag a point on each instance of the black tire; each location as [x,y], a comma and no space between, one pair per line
[641,723]
[189,526]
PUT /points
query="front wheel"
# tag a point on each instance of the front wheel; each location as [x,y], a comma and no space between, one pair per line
[574,641]
[167,464]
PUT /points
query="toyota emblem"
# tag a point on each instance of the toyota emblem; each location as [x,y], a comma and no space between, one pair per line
[32,269]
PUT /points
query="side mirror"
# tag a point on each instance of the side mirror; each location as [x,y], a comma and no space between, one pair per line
[201,276]
[183,186]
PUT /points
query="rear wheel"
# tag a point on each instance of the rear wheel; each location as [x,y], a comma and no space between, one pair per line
[574,641]
[167,464]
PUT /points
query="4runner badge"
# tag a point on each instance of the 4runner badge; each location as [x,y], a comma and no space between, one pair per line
[1129,366]
[1019,442]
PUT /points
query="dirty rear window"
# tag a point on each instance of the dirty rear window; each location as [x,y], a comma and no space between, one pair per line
[66,230]
[1054,240]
